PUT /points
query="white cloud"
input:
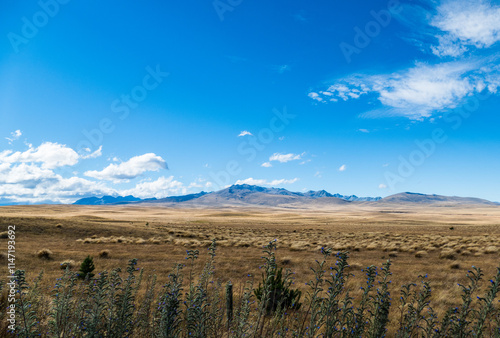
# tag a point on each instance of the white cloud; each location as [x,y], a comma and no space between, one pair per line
[464,24]
[29,177]
[315,96]
[24,174]
[244,133]
[50,155]
[382,186]
[266,165]
[95,154]
[261,182]
[200,183]
[31,184]
[15,135]
[420,91]
[343,167]
[283,68]
[364,131]
[160,188]
[283,158]
[130,169]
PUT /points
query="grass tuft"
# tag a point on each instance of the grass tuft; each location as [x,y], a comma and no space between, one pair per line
[44,254]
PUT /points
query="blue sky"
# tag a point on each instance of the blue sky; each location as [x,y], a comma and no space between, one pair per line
[167,98]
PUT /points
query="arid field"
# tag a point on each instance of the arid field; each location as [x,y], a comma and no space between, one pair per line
[442,242]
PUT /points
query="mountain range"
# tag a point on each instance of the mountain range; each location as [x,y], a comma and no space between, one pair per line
[248,195]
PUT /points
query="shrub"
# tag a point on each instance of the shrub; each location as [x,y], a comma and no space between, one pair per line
[491,250]
[86,268]
[420,254]
[4,234]
[44,254]
[104,254]
[274,292]
[447,254]
[455,266]
[68,264]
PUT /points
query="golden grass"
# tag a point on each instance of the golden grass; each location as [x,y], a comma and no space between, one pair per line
[67,264]
[416,240]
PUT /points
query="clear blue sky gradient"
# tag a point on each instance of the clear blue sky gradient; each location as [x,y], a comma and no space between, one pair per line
[231,75]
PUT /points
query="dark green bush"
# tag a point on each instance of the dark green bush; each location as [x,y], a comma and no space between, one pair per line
[86,268]
[280,295]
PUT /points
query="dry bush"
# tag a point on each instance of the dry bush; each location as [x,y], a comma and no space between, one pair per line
[299,246]
[70,264]
[491,249]
[447,254]
[58,225]
[154,240]
[420,254]
[355,266]
[44,254]
[454,266]
[3,257]
[104,254]
[4,234]
[393,254]
[286,261]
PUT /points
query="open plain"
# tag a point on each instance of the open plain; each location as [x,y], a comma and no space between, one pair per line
[442,242]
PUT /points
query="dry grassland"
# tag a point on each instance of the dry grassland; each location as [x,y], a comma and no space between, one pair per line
[442,242]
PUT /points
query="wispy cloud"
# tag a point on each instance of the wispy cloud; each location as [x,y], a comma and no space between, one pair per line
[95,154]
[263,182]
[130,169]
[366,131]
[417,92]
[382,186]
[266,165]
[283,158]
[458,32]
[15,135]
[300,17]
[465,24]
[245,133]
[343,167]
[282,68]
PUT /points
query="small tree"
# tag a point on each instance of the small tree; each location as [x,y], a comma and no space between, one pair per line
[86,268]
[280,295]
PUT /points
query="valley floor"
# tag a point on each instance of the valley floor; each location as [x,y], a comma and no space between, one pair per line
[442,242]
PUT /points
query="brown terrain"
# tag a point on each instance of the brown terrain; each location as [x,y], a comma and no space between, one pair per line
[440,241]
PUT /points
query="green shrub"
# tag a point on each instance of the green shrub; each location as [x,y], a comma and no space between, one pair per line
[279,293]
[86,268]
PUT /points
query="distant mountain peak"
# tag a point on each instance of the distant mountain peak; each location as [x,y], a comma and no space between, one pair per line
[246,194]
